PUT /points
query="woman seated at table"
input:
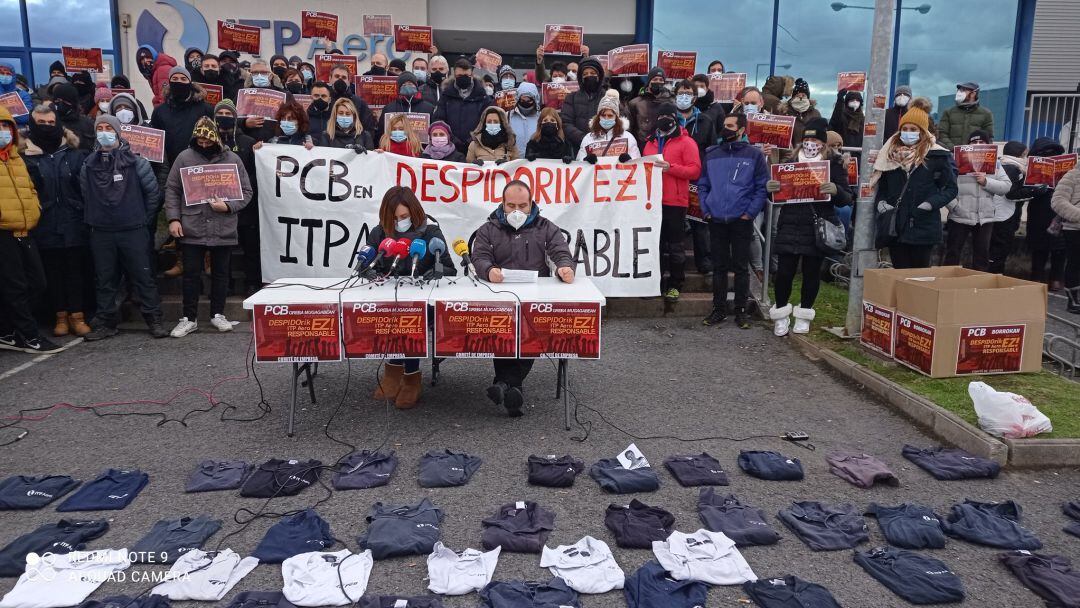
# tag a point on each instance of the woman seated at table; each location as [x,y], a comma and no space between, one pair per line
[402,217]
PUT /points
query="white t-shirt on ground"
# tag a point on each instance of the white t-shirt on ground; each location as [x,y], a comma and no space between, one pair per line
[202,576]
[451,573]
[587,566]
[704,556]
[64,580]
[326,578]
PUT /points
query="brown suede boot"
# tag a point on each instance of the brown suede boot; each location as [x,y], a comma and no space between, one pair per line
[390,383]
[410,391]
[78,325]
[176,270]
[62,328]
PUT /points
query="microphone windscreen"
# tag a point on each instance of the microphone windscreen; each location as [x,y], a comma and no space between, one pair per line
[437,246]
[418,247]
[460,247]
[366,254]
[386,246]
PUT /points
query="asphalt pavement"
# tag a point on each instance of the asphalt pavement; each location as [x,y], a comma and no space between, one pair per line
[657,377]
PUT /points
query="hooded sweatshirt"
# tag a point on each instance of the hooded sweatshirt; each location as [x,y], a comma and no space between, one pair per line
[19,208]
[22,119]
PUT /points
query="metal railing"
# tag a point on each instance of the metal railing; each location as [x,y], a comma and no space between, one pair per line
[1053,115]
[1063,352]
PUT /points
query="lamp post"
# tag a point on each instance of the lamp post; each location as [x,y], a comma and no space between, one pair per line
[839,6]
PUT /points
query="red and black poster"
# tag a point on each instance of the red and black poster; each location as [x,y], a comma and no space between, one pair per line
[325,63]
[202,183]
[609,147]
[377,91]
[214,92]
[1046,170]
[975,158]
[554,93]
[476,329]
[297,333]
[869,128]
[630,60]
[418,123]
[378,25]
[726,86]
[990,349]
[147,142]
[259,102]
[314,24]
[801,182]
[914,345]
[879,101]
[560,330]
[14,104]
[771,129]
[413,38]
[506,99]
[852,171]
[563,39]
[303,100]
[877,327]
[488,60]
[851,81]
[78,60]
[385,330]
[693,209]
[235,37]
[677,65]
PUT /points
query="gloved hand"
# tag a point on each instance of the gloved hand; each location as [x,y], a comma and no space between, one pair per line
[501,161]
[567,160]
[478,162]
[358,149]
[590,158]
[925,206]
[624,157]
[828,188]
[530,157]
[841,93]
[882,206]
[772,186]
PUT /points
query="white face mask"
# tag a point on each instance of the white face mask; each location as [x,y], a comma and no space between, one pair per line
[701,91]
[571,75]
[961,96]
[626,86]
[853,104]
[558,79]
[103,106]
[811,149]
[125,116]
[403,225]
[516,219]
[902,100]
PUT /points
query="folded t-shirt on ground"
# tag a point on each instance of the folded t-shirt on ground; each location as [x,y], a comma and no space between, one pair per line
[651,587]
[696,470]
[113,489]
[365,469]
[612,477]
[169,538]
[744,524]
[447,468]
[860,469]
[587,566]
[990,523]
[521,527]
[708,557]
[1050,577]
[62,537]
[260,599]
[529,594]
[301,532]
[771,466]
[915,577]
[453,573]
[789,592]
[909,526]
[402,530]
[950,464]
[215,475]
[277,477]
[124,601]
[825,527]
[554,471]
[27,492]
[399,601]
[637,525]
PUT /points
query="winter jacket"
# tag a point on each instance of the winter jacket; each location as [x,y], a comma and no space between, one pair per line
[732,182]
[892,121]
[801,118]
[497,245]
[1066,200]
[503,152]
[136,207]
[554,149]
[202,225]
[19,207]
[296,139]
[178,120]
[642,112]
[462,113]
[591,138]
[82,126]
[345,140]
[713,108]
[244,147]
[958,122]
[523,127]
[931,182]
[141,117]
[773,91]
[701,129]
[431,92]
[230,83]
[848,123]
[453,157]
[416,104]
[318,121]
[795,229]
[976,205]
[1039,213]
[11,88]
[682,154]
[56,179]
[428,231]
[269,127]
[159,76]
[578,110]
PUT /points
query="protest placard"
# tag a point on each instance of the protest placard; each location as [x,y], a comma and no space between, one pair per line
[677,65]
[314,24]
[725,86]
[975,158]
[630,60]
[378,25]
[771,129]
[413,38]
[801,182]
[147,142]
[202,183]
[236,37]
[80,59]
[259,102]
[563,39]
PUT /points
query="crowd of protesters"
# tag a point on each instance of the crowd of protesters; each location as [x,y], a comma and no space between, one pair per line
[80,212]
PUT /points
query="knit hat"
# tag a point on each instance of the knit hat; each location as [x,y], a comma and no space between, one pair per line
[206,128]
[120,82]
[834,139]
[20,79]
[229,55]
[653,73]
[504,69]
[801,86]
[295,60]
[58,66]
[1014,148]
[399,64]
[917,117]
[110,120]
[83,77]
[610,101]
[102,93]
[667,109]
[903,90]
[817,128]
[438,124]
[405,77]
[66,91]
[226,104]
[179,70]
[982,135]
[853,96]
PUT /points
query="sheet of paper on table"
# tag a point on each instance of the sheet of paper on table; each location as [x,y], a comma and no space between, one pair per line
[519,276]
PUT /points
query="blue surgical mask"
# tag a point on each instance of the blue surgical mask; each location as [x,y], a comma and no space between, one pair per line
[909,138]
[260,80]
[683,101]
[508,83]
[421,75]
[398,136]
[408,90]
[344,122]
[5,138]
[493,128]
[403,225]
[750,108]
[6,79]
[607,123]
[307,75]
[106,139]
[288,127]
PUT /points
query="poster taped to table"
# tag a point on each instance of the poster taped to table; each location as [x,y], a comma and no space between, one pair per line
[771,129]
[851,81]
[612,147]
[418,122]
[204,182]
[297,333]
[630,60]
[325,63]
[377,91]
[554,93]
[214,92]
[975,158]
[476,329]
[506,99]
[147,142]
[413,38]
[259,102]
[385,330]
[801,182]
[378,25]
[240,38]
[1048,170]
[316,208]
[726,86]
[314,24]
[488,60]
[560,330]
[869,128]
[563,39]
[677,65]
[80,59]
[14,104]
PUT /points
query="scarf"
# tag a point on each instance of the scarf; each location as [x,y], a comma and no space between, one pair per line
[401,147]
[101,166]
[550,147]
[493,141]
[894,155]
[440,152]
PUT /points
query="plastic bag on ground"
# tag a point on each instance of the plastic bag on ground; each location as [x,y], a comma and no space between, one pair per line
[1007,414]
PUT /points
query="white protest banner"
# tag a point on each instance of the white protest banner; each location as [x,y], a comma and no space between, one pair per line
[316,208]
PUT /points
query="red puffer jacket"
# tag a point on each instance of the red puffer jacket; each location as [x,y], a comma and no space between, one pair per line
[681,152]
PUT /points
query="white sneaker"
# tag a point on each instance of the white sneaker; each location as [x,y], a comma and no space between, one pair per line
[803,317]
[221,323]
[183,328]
[781,318]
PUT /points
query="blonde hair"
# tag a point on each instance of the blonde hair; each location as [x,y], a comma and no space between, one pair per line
[414,141]
[331,124]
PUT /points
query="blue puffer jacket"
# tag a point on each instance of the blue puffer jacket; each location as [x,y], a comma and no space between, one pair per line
[733,181]
[22,119]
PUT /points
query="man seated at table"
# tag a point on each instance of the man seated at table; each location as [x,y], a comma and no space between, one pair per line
[516,237]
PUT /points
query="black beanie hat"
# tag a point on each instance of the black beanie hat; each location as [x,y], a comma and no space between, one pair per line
[66,92]
[120,82]
[817,128]
[57,66]
[1014,148]
[801,86]
[397,63]
[405,77]
[667,109]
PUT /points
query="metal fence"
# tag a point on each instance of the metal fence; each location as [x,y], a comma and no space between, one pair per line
[1053,115]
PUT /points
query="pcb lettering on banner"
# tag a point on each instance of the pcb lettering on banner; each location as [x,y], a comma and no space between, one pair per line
[214,92]
[476,329]
[914,344]
[376,91]
[236,37]
[563,39]
[325,63]
[877,328]
[1043,170]
[612,147]
[314,24]
[990,349]
[726,86]
[506,99]
[147,142]
[14,104]
[79,59]
[378,25]
[975,158]
[385,330]
[851,81]
[560,330]
[413,38]
[554,93]
[317,207]
[771,129]
[297,333]
[801,182]
[629,60]
[677,65]
[418,122]
[488,60]
[259,102]
[205,182]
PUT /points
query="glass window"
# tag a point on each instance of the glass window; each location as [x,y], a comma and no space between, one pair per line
[738,33]
[82,23]
[10,23]
[15,61]
[814,41]
[980,50]
[41,66]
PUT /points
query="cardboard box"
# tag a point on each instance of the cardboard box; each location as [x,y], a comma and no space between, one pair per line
[879,301]
[978,324]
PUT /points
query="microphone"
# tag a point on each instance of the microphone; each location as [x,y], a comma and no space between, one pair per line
[401,250]
[437,247]
[386,248]
[364,256]
[462,249]
[417,250]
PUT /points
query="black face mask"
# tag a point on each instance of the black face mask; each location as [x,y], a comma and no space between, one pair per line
[210,74]
[526,102]
[463,81]
[341,87]
[549,130]
[146,68]
[320,105]
[230,68]
[437,77]
[225,123]
[665,124]
[655,88]
[294,87]
[377,71]
[83,87]
[194,64]
[727,134]
[46,136]
[179,91]
[590,83]
[206,151]
[63,108]
[280,71]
